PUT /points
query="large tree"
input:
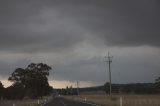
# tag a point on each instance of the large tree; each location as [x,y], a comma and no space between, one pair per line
[33,79]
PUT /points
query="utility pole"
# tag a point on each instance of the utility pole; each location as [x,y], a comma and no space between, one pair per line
[77,87]
[108,59]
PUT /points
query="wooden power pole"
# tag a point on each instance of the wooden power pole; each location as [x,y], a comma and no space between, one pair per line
[108,59]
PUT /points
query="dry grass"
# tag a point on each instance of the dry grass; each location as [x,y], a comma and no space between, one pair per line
[128,100]
[18,102]
[23,102]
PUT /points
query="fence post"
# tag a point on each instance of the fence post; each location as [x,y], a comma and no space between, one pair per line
[121,102]
[85,99]
[38,101]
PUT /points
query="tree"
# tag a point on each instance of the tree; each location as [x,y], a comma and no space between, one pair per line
[157,82]
[157,85]
[106,87]
[1,89]
[69,90]
[16,91]
[33,79]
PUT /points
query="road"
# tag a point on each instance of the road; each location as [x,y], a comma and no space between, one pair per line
[64,102]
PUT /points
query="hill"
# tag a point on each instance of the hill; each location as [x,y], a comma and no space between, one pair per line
[132,88]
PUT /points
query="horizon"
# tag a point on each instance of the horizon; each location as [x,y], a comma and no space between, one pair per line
[64,84]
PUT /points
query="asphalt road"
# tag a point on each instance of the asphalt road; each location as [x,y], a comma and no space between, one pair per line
[64,102]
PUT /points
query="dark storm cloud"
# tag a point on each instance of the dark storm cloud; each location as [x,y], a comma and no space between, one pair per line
[24,27]
[118,23]
[121,23]
[82,69]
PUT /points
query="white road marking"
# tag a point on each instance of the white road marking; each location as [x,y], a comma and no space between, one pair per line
[63,103]
[91,103]
[45,102]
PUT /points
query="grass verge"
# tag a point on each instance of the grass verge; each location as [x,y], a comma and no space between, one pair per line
[127,100]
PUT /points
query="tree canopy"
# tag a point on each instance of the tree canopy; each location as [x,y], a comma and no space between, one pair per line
[33,79]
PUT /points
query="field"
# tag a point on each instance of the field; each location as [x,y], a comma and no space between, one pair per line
[28,102]
[18,103]
[127,100]
[105,100]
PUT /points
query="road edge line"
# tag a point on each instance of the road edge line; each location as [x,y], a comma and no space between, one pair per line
[91,103]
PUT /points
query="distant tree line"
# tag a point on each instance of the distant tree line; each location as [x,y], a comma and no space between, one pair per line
[31,82]
[68,91]
[135,88]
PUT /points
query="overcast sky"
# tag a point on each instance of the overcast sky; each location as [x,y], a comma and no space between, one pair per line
[73,36]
